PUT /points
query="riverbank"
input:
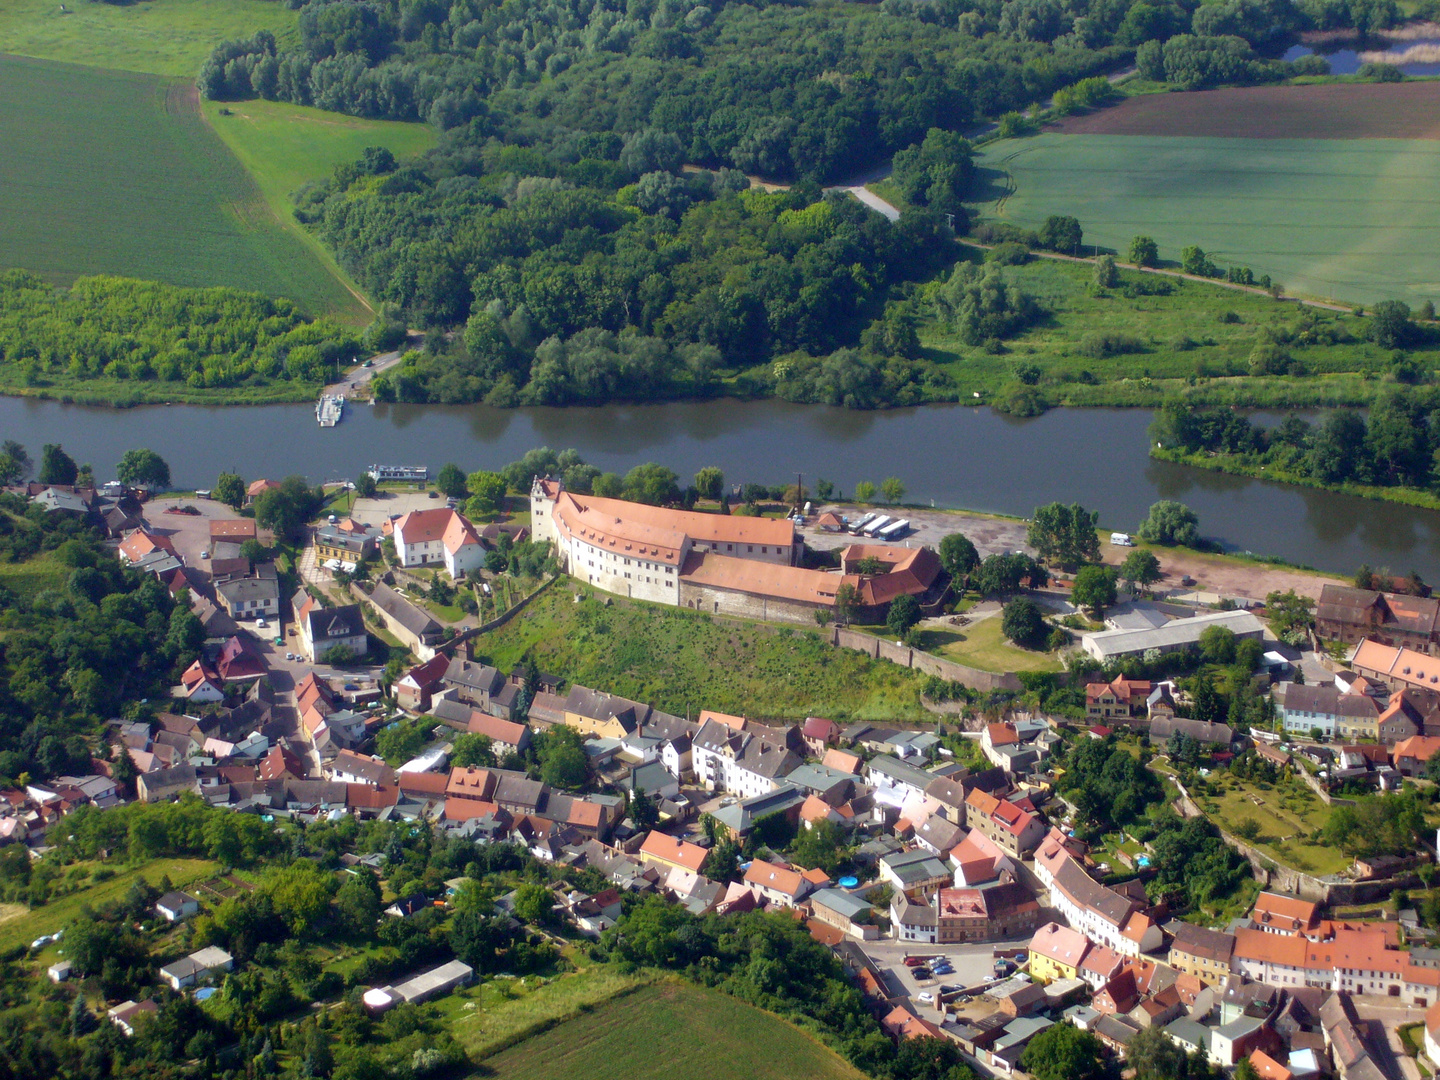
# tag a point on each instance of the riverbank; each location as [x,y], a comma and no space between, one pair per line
[128,394]
[1238,466]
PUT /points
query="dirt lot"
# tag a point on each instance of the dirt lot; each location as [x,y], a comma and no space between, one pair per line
[1408,110]
[390,504]
[991,535]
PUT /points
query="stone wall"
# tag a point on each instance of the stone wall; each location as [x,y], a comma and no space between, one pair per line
[710,601]
[905,656]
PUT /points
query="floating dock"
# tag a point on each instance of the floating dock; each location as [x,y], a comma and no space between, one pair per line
[329,409]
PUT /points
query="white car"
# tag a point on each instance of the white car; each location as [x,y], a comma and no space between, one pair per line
[260,622]
[41,941]
[289,656]
[926,998]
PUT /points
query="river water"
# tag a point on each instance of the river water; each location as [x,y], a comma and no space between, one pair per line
[957,456]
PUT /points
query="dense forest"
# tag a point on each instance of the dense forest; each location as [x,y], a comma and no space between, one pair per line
[119,328]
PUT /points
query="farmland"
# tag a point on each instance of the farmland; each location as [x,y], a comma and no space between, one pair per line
[683,661]
[161,37]
[676,1029]
[1355,220]
[166,202]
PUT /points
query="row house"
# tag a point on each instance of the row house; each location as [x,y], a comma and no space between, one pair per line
[1206,954]
[740,762]
[1015,830]
[1352,960]
[1102,914]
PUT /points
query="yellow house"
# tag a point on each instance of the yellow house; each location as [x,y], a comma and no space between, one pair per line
[593,713]
[348,541]
[1056,952]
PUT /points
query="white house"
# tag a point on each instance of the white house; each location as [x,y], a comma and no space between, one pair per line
[438,537]
[176,906]
[739,762]
[198,967]
[1102,915]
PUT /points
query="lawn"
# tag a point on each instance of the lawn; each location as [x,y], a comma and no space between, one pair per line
[111,172]
[1196,340]
[1288,814]
[286,147]
[672,1029]
[57,914]
[1353,219]
[982,645]
[34,575]
[683,662]
[161,37]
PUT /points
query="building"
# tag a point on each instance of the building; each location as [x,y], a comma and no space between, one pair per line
[126,1016]
[739,762]
[422,987]
[1015,831]
[844,911]
[253,597]
[1412,755]
[988,912]
[1104,915]
[352,768]
[1206,954]
[1396,667]
[1352,615]
[347,541]
[637,550]
[1275,913]
[438,537]
[198,967]
[1208,735]
[1121,700]
[672,853]
[176,907]
[1348,715]
[413,690]
[414,626]
[1056,952]
[322,629]
[916,873]
[777,884]
[1108,645]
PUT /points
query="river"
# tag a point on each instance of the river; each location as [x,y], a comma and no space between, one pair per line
[957,456]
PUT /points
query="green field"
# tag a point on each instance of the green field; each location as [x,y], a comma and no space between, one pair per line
[676,1030]
[118,173]
[1356,220]
[162,37]
[683,661]
[982,645]
[286,147]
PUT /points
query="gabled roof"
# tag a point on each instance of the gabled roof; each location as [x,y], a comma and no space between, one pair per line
[781,879]
[1060,943]
[673,850]
[1287,913]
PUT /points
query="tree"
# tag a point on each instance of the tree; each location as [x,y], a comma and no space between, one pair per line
[472,749]
[365,486]
[864,491]
[1170,522]
[534,904]
[1244,1070]
[450,481]
[710,482]
[1094,589]
[1063,1052]
[892,489]
[15,463]
[286,509]
[958,556]
[846,601]
[1140,567]
[1106,274]
[1217,644]
[643,810]
[56,466]
[229,489]
[1143,251]
[1023,624]
[562,759]
[143,468]
[487,492]
[1155,1056]
[1291,616]
[653,484]
[357,902]
[1061,233]
[1390,325]
[903,614]
[1065,535]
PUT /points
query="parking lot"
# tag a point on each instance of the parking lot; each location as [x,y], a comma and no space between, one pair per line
[973,964]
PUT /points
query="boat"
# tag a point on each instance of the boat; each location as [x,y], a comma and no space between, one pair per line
[329,409]
[382,473]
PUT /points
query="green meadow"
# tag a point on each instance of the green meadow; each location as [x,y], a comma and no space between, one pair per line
[113,172]
[1356,220]
[160,37]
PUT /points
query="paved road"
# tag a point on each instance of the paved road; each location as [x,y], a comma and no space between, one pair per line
[358,378]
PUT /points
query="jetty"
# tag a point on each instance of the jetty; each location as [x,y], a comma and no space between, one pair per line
[329,409]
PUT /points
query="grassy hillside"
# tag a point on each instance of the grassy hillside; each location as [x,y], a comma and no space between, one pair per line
[1351,219]
[681,662]
[676,1030]
[166,201]
[162,37]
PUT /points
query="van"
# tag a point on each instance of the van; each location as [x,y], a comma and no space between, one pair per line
[1121,540]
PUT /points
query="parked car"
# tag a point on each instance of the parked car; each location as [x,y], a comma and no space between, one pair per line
[289,656]
[950,988]
[923,973]
[927,998]
[261,622]
[913,961]
[942,968]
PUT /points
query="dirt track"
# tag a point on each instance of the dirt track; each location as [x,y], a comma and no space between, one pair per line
[1407,110]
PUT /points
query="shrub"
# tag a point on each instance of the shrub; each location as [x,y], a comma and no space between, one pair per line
[1008,254]
[1099,344]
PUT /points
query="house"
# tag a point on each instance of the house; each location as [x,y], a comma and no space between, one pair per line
[1056,952]
[844,911]
[1208,735]
[1352,615]
[777,884]
[480,685]
[414,626]
[1350,714]
[231,531]
[989,912]
[740,817]
[900,1024]
[740,762]
[407,906]
[438,537]
[142,543]
[1174,636]
[414,689]
[258,488]
[253,597]
[671,852]
[197,968]
[819,734]
[595,713]
[280,763]
[1206,954]
[897,783]
[506,736]
[1104,915]
[346,541]
[1396,667]
[1276,913]
[176,907]
[322,629]
[1122,700]
[161,784]
[1015,831]
[126,1016]
[237,661]
[1410,756]
[842,761]
[915,873]
[351,768]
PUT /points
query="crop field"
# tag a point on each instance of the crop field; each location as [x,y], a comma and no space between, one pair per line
[1408,110]
[671,1029]
[162,37]
[111,172]
[1355,220]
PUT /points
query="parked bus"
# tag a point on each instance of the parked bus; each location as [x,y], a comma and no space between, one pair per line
[895,530]
[857,526]
[873,529]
